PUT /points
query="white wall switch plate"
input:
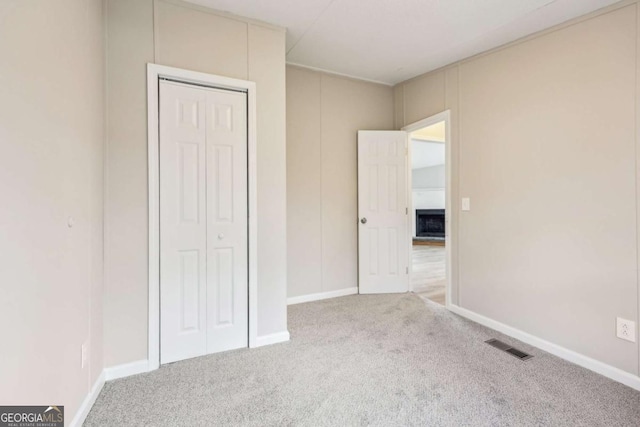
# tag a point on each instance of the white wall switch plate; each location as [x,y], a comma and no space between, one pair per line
[626,329]
[466,204]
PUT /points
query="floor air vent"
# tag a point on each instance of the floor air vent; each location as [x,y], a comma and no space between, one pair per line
[506,347]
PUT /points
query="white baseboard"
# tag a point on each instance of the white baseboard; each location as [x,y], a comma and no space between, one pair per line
[322,295]
[88,402]
[139,367]
[272,338]
[601,368]
[126,370]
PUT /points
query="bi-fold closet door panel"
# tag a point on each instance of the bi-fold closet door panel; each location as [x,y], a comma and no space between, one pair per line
[203,221]
[227,231]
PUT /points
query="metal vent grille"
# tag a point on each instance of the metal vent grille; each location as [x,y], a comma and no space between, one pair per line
[507,348]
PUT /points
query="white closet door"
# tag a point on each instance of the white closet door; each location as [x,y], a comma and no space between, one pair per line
[227,259]
[203,221]
[183,223]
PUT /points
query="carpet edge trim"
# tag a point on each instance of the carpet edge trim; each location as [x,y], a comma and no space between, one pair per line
[579,359]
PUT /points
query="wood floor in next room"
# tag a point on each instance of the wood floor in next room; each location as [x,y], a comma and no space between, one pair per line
[429,272]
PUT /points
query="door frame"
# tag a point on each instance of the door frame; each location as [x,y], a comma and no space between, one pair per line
[445,117]
[154,73]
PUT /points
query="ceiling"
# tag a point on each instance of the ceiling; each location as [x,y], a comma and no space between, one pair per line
[427,148]
[389,41]
[435,132]
[426,154]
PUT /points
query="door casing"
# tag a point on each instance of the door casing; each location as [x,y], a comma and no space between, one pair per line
[154,73]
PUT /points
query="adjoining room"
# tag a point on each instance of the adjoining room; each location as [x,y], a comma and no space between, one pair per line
[428,181]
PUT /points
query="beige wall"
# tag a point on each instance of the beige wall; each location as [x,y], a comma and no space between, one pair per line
[129,48]
[324,113]
[51,168]
[415,104]
[544,140]
[180,35]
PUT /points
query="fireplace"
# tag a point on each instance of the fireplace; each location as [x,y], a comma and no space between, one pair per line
[430,223]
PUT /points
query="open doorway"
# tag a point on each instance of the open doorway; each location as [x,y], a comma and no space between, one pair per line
[428,185]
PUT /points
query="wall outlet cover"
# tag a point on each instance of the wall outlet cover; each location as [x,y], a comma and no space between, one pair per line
[626,329]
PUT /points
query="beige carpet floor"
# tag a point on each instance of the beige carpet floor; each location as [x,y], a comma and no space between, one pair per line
[370,360]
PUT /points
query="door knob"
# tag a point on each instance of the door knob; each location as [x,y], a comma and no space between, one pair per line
[220,236]
[363,220]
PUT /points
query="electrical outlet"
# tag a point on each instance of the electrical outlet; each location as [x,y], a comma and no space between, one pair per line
[466,204]
[84,354]
[626,329]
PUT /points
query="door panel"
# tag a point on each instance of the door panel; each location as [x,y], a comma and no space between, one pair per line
[227,259]
[182,223]
[203,221]
[382,209]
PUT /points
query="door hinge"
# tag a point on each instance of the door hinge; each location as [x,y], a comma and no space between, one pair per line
[406,211]
[407,270]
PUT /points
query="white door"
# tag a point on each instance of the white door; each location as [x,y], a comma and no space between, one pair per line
[383,248]
[203,221]
[227,228]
